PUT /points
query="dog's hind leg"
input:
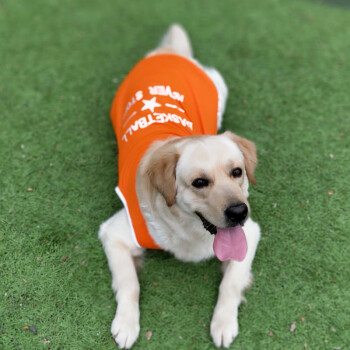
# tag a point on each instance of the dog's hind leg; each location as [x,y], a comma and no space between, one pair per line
[121,253]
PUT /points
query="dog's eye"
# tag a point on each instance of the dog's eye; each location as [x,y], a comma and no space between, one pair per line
[200,183]
[237,172]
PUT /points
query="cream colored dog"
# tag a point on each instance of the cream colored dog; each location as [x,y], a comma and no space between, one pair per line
[193,195]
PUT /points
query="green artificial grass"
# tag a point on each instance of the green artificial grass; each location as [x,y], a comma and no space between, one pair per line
[287,67]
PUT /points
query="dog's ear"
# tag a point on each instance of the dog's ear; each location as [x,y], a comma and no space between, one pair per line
[248,150]
[161,169]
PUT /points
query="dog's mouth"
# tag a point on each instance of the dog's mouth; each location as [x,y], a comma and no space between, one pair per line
[207,225]
[229,243]
[211,228]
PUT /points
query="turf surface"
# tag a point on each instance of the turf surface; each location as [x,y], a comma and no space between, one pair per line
[287,67]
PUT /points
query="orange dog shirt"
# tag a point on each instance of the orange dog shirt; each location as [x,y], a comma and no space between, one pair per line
[163,96]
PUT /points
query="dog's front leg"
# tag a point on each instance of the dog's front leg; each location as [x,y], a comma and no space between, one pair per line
[121,252]
[126,324]
[224,324]
[237,277]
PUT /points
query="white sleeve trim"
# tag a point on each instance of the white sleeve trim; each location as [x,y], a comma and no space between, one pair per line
[122,198]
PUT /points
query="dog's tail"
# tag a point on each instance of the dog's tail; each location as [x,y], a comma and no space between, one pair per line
[177,40]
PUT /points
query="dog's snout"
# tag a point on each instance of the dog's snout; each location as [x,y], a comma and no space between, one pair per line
[236,213]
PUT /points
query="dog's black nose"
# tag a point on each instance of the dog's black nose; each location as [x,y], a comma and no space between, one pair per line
[236,213]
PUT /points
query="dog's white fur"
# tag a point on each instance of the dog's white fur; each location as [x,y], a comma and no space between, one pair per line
[171,217]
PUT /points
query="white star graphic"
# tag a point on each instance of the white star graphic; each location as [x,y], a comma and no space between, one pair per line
[150,104]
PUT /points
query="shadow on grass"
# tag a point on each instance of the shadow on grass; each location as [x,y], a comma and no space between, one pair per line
[339,3]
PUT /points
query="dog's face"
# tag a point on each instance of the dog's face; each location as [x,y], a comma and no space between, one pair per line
[205,176]
[211,181]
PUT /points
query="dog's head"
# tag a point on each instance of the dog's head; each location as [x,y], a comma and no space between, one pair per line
[206,176]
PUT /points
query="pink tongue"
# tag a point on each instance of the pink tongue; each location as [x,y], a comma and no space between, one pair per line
[230,244]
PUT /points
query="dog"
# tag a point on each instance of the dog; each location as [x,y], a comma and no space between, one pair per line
[184,188]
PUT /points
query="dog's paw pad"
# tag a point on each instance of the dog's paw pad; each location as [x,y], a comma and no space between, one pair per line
[223,330]
[125,330]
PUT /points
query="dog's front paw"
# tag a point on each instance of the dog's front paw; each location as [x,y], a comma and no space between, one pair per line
[224,328]
[125,329]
